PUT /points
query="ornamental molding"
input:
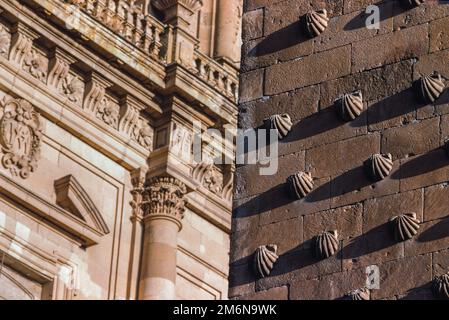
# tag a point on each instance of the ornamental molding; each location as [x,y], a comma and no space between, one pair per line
[163,5]
[163,198]
[20,136]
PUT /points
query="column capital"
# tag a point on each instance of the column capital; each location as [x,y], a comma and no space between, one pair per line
[163,199]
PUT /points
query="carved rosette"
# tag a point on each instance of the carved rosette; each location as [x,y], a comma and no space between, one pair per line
[280,122]
[316,22]
[440,286]
[163,197]
[20,136]
[379,166]
[264,259]
[430,87]
[358,294]
[350,106]
[300,184]
[326,244]
[405,226]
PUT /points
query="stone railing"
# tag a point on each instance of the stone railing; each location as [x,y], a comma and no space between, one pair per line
[126,18]
[214,74]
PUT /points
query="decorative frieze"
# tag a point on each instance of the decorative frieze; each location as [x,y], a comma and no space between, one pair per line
[379,166]
[300,184]
[164,196]
[20,136]
[405,226]
[350,106]
[108,111]
[326,244]
[316,22]
[264,259]
[280,122]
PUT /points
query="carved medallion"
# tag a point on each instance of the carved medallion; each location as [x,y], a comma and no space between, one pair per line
[20,136]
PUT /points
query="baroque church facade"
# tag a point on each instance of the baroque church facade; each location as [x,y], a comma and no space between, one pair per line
[100,197]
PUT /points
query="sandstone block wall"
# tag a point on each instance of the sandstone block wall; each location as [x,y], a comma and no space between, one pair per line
[285,71]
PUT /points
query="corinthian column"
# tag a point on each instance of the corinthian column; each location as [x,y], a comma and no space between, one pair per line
[163,208]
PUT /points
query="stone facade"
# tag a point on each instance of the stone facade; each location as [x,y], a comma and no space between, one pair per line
[99,195]
[369,124]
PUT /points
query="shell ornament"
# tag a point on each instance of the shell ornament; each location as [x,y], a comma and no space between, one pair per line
[359,294]
[350,106]
[326,244]
[413,3]
[440,286]
[264,259]
[300,184]
[280,122]
[316,22]
[405,226]
[379,166]
[430,87]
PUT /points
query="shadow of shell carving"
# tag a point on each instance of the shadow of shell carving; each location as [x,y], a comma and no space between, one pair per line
[300,184]
[316,22]
[430,87]
[350,106]
[280,122]
[359,294]
[264,259]
[379,166]
[405,226]
[326,244]
[440,286]
[446,146]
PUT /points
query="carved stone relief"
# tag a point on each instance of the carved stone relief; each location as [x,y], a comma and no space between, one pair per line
[300,184]
[280,122]
[379,166]
[264,259]
[5,42]
[182,140]
[209,176]
[350,106]
[20,136]
[316,22]
[326,244]
[36,64]
[108,111]
[405,226]
[430,87]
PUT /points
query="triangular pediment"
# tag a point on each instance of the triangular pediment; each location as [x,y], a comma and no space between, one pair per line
[71,196]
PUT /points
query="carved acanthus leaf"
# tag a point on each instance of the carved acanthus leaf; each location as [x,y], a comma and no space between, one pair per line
[164,196]
[20,136]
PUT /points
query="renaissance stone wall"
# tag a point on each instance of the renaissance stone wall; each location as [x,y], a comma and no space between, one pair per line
[287,70]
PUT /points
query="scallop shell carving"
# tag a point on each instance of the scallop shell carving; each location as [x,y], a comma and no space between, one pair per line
[431,87]
[405,226]
[414,3]
[359,294]
[326,244]
[264,260]
[440,286]
[300,184]
[280,122]
[350,106]
[316,22]
[379,166]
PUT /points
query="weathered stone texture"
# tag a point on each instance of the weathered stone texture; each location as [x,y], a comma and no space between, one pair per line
[304,77]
